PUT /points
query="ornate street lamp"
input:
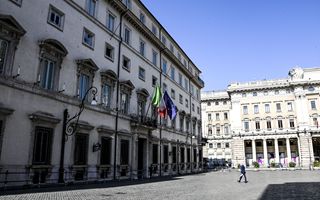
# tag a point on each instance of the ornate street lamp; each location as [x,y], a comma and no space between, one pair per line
[69,128]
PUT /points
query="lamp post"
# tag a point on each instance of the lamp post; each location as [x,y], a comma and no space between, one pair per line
[69,129]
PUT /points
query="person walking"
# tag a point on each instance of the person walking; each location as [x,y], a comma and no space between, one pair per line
[243,173]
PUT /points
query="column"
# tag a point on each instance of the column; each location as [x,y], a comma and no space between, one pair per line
[254,154]
[288,150]
[265,153]
[134,157]
[276,150]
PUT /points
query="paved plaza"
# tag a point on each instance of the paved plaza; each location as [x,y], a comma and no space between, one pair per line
[213,185]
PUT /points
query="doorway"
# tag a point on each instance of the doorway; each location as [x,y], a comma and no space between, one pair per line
[141,158]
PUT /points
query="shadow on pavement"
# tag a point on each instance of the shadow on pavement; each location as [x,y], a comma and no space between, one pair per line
[294,190]
[84,186]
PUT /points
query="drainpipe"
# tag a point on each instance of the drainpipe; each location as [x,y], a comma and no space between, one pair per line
[117,100]
[160,81]
[190,123]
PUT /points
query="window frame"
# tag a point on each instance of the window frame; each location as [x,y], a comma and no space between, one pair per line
[58,12]
[87,32]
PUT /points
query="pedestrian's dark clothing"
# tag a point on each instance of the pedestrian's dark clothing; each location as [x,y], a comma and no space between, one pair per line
[242,173]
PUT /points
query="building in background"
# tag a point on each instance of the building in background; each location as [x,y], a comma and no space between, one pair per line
[272,121]
[111,54]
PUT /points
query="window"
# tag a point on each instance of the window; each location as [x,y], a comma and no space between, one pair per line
[154,57]
[86,69]
[245,110]
[127,35]
[48,68]
[187,125]
[257,125]
[154,81]
[225,116]
[181,122]
[179,56]
[209,116]
[173,123]
[88,38]
[164,87]
[164,66]
[192,107]
[164,40]
[265,93]
[311,89]
[84,85]
[81,149]
[246,126]
[142,96]
[124,103]
[198,110]
[111,21]
[91,7]
[291,122]
[105,155]
[172,73]
[288,91]
[313,105]
[267,108]
[142,48]
[142,18]
[109,52]
[56,17]
[219,145]
[180,79]
[217,103]
[227,145]
[244,95]
[42,146]
[180,99]
[224,102]
[106,95]
[210,145]
[280,125]
[154,154]
[268,124]
[173,94]
[9,39]
[217,117]
[254,94]
[154,29]
[226,129]
[276,92]
[187,103]
[210,130]
[171,48]
[256,109]
[124,152]
[278,106]
[142,73]
[188,155]
[315,121]
[290,108]
[3,52]
[165,154]
[182,155]
[184,63]
[186,84]
[127,3]
[126,63]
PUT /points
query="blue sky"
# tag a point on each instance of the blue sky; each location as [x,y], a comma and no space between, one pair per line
[243,40]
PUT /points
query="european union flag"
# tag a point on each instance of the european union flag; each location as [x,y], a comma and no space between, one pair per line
[172,109]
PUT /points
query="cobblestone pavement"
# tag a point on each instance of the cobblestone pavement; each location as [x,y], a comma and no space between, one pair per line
[262,185]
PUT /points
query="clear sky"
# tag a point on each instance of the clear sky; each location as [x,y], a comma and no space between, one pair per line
[243,40]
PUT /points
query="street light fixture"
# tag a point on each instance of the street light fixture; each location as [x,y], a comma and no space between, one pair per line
[69,128]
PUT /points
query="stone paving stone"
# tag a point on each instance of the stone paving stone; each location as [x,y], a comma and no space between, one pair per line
[263,185]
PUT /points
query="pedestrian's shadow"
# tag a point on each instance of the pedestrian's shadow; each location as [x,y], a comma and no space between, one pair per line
[294,190]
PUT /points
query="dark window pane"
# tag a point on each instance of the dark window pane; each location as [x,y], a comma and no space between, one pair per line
[42,145]
[81,149]
[124,157]
[105,151]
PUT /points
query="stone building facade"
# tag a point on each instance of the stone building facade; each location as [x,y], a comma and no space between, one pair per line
[53,55]
[271,120]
